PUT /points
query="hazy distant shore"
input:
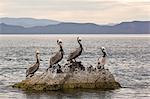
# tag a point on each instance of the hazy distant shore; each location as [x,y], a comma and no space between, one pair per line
[133,27]
[81,35]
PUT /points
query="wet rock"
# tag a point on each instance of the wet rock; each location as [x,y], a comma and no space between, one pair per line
[72,76]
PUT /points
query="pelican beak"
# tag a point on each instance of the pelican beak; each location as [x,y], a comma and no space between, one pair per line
[83,49]
[63,52]
[58,41]
[101,48]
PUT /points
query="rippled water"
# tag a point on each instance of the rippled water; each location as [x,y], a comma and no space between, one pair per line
[129,61]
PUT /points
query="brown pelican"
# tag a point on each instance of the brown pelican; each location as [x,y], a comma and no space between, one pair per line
[59,55]
[102,60]
[77,52]
[31,70]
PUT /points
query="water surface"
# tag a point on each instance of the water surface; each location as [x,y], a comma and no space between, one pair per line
[128,60]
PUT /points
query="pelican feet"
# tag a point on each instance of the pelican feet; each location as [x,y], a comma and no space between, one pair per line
[74,67]
[55,69]
[29,76]
[100,67]
[59,70]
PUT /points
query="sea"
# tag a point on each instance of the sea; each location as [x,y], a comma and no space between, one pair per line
[128,59]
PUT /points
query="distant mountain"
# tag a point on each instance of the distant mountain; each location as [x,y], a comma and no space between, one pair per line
[135,27]
[27,22]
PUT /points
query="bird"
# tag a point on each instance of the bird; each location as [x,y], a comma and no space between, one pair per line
[58,56]
[31,70]
[102,60]
[73,55]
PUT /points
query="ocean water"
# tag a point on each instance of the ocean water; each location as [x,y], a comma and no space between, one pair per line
[128,60]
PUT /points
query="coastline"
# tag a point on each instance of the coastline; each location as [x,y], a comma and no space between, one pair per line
[85,35]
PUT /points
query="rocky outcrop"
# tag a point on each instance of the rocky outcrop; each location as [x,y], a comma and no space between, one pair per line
[70,78]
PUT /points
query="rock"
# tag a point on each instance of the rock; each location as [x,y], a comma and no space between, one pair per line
[73,76]
[72,67]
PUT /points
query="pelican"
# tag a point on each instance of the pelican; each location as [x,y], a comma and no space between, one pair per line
[102,60]
[59,55]
[31,70]
[77,52]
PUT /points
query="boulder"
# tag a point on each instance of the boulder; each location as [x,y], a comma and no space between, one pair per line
[74,75]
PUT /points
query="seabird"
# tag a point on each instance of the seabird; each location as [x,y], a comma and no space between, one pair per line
[77,52]
[31,70]
[58,56]
[102,60]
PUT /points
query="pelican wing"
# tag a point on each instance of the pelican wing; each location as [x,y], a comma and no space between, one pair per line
[102,60]
[74,54]
[55,59]
[32,69]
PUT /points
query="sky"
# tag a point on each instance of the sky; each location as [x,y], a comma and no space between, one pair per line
[84,11]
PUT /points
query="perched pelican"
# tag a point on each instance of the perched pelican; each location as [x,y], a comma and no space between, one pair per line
[31,70]
[102,60]
[77,52]
[59,55]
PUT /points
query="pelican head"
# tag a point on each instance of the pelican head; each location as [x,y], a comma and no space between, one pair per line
[37,51]
[79,38]
[59,41]
[103,48]
[104,51]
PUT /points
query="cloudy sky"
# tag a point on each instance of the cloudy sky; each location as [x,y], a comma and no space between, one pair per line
[97,11]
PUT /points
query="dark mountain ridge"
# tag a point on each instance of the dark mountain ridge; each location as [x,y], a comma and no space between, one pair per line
[135,27]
